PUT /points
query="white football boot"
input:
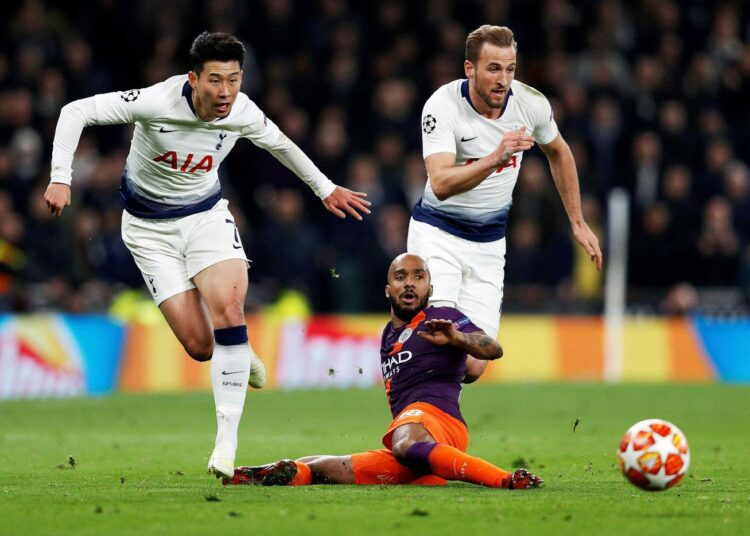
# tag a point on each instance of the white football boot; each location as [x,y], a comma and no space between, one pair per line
[221,462]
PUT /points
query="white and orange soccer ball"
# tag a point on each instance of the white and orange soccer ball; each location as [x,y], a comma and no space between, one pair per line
[654,454]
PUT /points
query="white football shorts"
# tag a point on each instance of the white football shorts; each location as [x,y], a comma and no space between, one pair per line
[466,275]
[170,252]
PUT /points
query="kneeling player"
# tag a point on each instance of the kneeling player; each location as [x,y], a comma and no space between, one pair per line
[423,358]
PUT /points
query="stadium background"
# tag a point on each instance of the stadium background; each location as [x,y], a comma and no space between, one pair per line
[651,97]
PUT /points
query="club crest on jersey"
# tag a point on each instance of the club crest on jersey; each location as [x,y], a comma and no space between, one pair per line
[429,123]
[405,335]
[130,95]
[221,140]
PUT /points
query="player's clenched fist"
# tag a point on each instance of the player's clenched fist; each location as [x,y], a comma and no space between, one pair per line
[57,197]
[513,142]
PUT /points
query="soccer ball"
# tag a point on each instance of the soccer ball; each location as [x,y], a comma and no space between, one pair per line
[654,454]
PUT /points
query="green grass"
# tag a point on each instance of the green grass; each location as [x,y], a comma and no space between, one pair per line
[140,463]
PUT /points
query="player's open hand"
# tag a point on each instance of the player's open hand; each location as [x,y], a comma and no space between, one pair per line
[342,199]
[57,197]
[439,331]
[512,143]
[589,242]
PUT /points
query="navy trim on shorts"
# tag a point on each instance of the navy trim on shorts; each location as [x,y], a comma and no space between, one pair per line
[142,207]
[231,336]
[489,231]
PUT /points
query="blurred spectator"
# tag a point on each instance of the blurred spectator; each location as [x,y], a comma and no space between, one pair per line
[651,95]
[737,190]
[286,248]
[718,245]
[647,163]
[651,249]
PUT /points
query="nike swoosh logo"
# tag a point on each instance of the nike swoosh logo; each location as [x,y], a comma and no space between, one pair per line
[235,246]
[225,373]
[468,139]
[163,131]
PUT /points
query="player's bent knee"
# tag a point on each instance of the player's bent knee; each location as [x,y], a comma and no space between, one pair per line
[400,448]
[200,350]
[231,313]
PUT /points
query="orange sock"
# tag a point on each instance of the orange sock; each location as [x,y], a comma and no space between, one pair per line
[304,475]
[452,464]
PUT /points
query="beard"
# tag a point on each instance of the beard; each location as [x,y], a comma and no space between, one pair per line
[486,97]
[407,313]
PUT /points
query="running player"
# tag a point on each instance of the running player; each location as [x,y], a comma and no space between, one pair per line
[474,134]
[423,360]
[176,222]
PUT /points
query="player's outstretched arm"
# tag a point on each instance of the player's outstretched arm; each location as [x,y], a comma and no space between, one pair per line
[57,197]
[478,344]
[344,200]
[563,167]
[447,179]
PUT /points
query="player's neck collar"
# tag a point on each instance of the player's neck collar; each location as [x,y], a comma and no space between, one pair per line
[187,92]
[465,94]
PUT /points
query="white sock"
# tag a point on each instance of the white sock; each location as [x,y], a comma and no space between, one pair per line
[230,369]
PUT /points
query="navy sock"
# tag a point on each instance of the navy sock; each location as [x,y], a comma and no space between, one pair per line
[418,456]
[231,336]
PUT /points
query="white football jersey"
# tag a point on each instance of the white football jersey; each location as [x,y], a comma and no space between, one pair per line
[451,124]
[174,155]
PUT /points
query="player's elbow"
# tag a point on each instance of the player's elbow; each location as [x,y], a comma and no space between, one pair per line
[440,189]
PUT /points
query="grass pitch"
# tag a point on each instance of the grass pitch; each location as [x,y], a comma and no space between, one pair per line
[130,464]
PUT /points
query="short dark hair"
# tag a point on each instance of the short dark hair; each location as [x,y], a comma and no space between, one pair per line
[217,46]
[500,36]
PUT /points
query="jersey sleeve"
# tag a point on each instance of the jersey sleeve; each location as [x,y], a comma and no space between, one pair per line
[438,126]
[460,321]
[464,324]
[545,128]
[121,107]
[104,109]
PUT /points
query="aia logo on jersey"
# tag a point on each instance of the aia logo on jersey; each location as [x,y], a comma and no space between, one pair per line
[170,158]
[511,163]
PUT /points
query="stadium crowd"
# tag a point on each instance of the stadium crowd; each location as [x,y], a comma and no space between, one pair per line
[651,96]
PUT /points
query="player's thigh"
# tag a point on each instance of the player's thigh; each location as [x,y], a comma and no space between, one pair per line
[217,264]
[406,435]
[157,248]
[223,286]
[188,316]
[481,292]
[437,249]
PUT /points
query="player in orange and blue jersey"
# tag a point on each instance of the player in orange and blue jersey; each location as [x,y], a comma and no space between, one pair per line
[423,360]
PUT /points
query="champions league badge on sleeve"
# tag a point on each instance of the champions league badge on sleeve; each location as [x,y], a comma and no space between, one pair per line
[130,95]
[405,335]
[429,123]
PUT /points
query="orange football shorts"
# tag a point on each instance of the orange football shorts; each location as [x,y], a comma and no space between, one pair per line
[381,467]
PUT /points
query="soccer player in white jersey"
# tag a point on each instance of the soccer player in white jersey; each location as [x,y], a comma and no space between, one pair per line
[176,223]
[474,134]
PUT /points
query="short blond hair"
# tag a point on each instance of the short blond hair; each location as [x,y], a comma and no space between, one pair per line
[500,36]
